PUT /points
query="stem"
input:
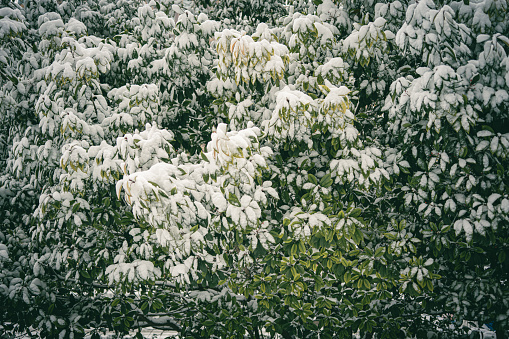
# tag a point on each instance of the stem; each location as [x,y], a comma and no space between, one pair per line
[256,333]
[500,331]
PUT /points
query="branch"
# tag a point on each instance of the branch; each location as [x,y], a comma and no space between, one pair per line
[164,283]
[82,283]
[160,323]
[161,314]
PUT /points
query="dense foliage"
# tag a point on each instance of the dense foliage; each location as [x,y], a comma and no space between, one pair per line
[242,168]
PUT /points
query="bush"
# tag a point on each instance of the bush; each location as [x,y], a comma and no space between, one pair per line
[323,169]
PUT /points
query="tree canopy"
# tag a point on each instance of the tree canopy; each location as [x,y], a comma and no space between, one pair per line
[242,168]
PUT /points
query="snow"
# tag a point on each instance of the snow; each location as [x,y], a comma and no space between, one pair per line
[465,225]
[52,27]
[138,270]
[302,24]
[9,26]
[4,252]
[324,33]
[75,26]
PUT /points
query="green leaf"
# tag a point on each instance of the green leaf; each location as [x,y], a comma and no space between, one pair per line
[232,198]
[390,236]
[501,256]
[85,274]
[294,250]
[312,179]
[326,180]
[347,277]
[358,236]
[115,302]
[402,225]
[366,283]
[294,272]
[465,99]
[302,247]
[475,78]
[75,207]
[464,152]
[488,128]
[204,157]
[356,212]
[379,252]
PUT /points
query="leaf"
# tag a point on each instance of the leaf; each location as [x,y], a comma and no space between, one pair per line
[430,285]
[319,79]
[347,277]
[402,225]
[485,133]
[232,198]
[379,252]
[75,207]
[390,236]
[208,323]
[494,145]
[312,179]
[302,247]
[482,145]
[85,274]
[358,236]
[294,250]
[204,157]
[367,284]
[475,78]
[501,256]
[356,212]
[326,180]
[293,270]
